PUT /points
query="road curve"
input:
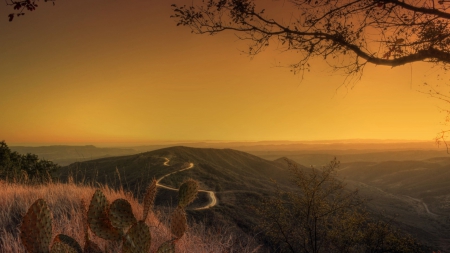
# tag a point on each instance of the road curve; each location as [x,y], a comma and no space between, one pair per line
[418,201]
[424,205]
[166,163]
[211,194]
[212,197]
[190,166]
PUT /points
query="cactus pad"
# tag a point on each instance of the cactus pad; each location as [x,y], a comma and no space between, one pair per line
[149,198]
[83,211]
[120,214]
[178,223]
[138,239]
[36,228]
[187,193]
[65,244]
[91,247]
[98,218]
[167,247]
[59,247]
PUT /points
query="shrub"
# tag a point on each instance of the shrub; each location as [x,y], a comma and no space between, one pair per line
[24,168]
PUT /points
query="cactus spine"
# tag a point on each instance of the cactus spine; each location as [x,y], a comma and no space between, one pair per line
[187,193]
[178,223]
[98,219]
[65,244]
[89,246]
[149,198]
[138,239]
[167,247]
[36,229]
[121,214]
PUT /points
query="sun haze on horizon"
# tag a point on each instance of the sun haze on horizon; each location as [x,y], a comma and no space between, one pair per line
[90,73]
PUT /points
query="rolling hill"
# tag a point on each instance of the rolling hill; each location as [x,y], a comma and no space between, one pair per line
[239,180]
[224,169]
[400,189]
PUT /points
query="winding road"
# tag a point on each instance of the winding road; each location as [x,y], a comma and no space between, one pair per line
[166,163]
[211,194]
[419,202]
[424,205]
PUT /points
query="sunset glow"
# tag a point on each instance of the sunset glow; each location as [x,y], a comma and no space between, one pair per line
[121,72]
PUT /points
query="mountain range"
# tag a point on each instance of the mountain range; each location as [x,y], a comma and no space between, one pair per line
[414,193]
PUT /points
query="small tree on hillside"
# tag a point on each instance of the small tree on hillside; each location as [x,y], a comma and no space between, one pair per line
[14,166]
[322,216]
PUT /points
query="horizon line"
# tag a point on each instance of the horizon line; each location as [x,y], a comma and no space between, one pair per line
[261,142]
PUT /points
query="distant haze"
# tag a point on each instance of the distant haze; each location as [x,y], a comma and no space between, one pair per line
[113,73]
[360,143]
[306,152]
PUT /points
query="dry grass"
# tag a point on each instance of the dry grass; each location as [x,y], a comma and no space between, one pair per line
[64,202]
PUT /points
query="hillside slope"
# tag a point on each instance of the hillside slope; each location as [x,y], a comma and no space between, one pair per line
[225,169]
[428,179]
[417,193]
[239,180]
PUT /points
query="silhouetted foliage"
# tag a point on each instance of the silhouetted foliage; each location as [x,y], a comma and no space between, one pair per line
[23,5]
[381,32]
[24,168]
[347,34]
[322,216]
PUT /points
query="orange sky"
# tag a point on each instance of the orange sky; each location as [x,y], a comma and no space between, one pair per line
[120,72]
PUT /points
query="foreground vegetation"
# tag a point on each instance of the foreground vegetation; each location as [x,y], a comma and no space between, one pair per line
[64,200]
[315,212]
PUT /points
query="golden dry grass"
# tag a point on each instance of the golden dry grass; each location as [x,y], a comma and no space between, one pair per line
[64,202]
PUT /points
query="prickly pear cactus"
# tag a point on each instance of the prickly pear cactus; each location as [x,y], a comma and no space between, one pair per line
[91,247]
[98,218]
[137,239]
[167,247]
[65,244]
[36,228]
[59,247]
[187,193]
[149,198]
[83,210]
[178,223]
[106,221]
[121,214]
